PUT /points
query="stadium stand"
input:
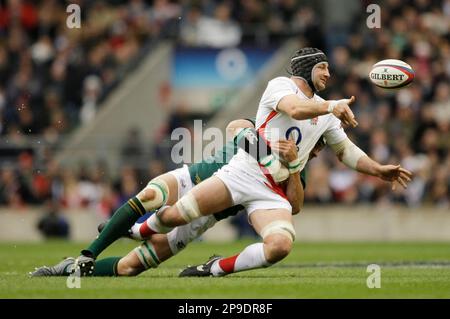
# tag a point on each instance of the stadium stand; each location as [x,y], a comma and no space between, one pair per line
[52,82]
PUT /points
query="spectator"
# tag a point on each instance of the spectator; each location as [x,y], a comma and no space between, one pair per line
[53,225]
[132,149]
[52,79]
[220,31]
[189,29]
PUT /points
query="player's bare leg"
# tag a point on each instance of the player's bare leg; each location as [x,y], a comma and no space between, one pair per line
[161,247]
[209,197]
[130,265]
[274,226]
[149,255]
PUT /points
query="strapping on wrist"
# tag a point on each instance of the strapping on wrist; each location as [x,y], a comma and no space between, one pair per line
[294,166]
[331,105]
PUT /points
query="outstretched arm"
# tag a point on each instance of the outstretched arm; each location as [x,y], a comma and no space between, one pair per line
[389,173]
[352,156]
[300,109]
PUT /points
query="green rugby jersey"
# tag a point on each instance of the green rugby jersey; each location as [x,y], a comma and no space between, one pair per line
[206,168]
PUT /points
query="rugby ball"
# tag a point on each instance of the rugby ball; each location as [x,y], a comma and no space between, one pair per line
[391,74]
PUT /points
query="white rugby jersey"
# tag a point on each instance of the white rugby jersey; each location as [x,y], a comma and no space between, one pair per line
[274,125]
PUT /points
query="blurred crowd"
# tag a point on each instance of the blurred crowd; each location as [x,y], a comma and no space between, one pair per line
[410,126]
[53,79]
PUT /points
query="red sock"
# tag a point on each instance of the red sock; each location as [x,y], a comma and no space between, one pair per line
[227,264]
[145,231]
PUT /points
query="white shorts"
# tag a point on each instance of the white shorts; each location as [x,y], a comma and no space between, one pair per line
[249,187]
[184,180]
[181,236]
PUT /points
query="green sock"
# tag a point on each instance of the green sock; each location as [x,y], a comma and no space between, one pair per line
[118,226]
[106,267]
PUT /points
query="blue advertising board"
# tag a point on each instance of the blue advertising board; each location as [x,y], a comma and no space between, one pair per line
[212,68]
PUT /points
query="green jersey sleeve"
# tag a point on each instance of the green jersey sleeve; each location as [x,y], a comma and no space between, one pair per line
[206,168]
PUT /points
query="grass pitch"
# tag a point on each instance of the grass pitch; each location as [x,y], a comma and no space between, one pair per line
[312,270]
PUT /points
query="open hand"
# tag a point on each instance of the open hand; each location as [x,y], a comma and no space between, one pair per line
[395,173]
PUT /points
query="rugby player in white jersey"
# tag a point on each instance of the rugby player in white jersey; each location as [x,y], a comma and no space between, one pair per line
[289,108]
[159,247]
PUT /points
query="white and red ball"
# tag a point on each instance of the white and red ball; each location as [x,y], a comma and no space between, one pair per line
[391,74]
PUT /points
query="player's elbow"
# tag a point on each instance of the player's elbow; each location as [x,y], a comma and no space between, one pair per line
[294,112]
[292,106]
[348,153]
[299,114]
[296,209]
[296,200]
[296,205]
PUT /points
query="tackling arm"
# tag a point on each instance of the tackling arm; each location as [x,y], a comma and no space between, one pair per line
[293,185]
[294,192]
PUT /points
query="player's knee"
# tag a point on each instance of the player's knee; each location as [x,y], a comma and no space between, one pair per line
[277,247]
[278,238]
[154,195]
[187,207]
[146,194]
[168,216]
[129,266]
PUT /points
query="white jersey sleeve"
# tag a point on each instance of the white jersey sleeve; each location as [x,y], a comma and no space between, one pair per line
[276,90]
[335,132]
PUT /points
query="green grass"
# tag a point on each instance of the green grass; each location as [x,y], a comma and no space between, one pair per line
[312,270]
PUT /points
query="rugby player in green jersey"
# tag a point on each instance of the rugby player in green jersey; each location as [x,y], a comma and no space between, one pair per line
[157,248]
